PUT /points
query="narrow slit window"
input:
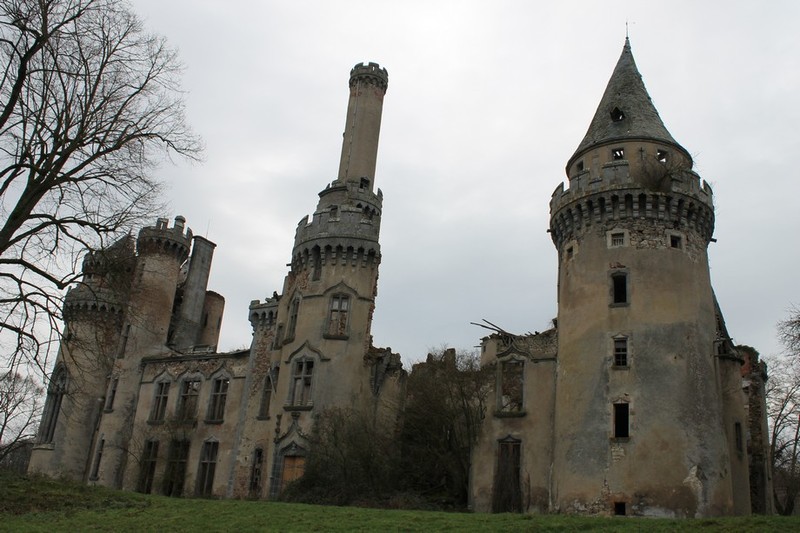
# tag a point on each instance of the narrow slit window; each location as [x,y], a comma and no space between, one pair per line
[579,166]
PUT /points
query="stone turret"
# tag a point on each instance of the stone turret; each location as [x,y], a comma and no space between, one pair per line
[637,328]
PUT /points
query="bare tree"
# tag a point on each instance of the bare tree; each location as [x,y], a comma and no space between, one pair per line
[19,407]
[89,104]
[445,406]
[783,411]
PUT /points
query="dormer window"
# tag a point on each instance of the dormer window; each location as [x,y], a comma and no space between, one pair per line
[617,115]
[661,155]
[618,154]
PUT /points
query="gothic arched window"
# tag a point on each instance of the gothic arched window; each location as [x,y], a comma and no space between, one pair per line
[52,407]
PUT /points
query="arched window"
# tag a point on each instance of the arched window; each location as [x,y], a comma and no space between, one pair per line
[52,407]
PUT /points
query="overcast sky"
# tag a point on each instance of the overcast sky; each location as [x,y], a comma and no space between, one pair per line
[486,102]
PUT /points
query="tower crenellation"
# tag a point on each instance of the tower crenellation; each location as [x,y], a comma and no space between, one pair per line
[370,73]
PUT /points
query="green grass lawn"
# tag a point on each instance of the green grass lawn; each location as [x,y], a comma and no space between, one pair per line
[38,504]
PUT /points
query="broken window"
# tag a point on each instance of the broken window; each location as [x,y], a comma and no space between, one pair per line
[270,384]
[256,473]
[337,321]
[52,406]
[661,156]
[219,395]
[97,458]
[147,470]
[618,154]
[112,393]
[190,393]
[300,395]
[175,473]
[675,241]
[618,239]
[617,115]
[621,421]
[507,493]
[205,471]
[160,402]
[621,352]
[363,184]
[619,288]
[511,383]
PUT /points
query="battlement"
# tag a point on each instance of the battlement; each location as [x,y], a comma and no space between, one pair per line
[574,212]
[93,304]
[370,73]
[264,313]
[165,240]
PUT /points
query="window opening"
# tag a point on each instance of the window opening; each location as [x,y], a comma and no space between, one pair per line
[293,312]
[256,473]
[219,394]
[618,154]
[675,241]
[619,508]
[621,420]
[148,467]
[270,384]
[617,239]
[205,471]
[112,393]
[617,115]
[661,155]
[507,497]
[55,395]
[175,474]
[160,402]
[570,252]
[579,166]
[97,458]
[511,385]
[620,288]
[364,184]
[620,352]
[337,322]
[301,383]
[190,393]
[124,341]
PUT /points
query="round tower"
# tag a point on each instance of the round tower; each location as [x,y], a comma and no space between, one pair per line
[93,314]
[640,425]
[160,252]
[368,84]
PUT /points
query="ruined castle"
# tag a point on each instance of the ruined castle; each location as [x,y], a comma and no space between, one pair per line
[632,403]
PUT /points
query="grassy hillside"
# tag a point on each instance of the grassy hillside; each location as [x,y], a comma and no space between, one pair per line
[38,504]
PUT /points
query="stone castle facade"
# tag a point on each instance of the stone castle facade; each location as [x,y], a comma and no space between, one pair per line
[632,403]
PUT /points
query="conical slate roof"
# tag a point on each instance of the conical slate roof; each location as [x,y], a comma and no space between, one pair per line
[625,111]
